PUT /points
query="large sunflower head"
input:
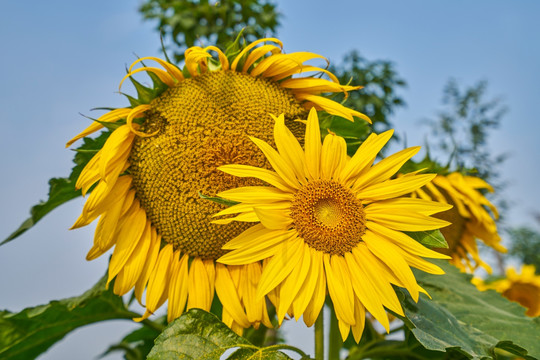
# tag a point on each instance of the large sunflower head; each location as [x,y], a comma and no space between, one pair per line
[523,288]
[162,154]
[330,222]
[470,217]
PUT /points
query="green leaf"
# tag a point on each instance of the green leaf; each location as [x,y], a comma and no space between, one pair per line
[198,334]
[61,190]
[462,318]
[32,331]
[431,239]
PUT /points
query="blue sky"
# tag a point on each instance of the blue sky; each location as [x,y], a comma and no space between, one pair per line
[61,58]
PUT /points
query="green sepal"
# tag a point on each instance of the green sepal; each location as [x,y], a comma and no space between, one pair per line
[144,94]
[111,126]
[234,48]
[198,334]
[477,324]
[218,200]
[431,238]
[32,331]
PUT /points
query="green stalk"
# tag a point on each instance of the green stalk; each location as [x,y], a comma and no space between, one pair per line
[335,343]
[319,336]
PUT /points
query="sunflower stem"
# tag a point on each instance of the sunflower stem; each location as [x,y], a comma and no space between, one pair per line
[334,337]
[319,337]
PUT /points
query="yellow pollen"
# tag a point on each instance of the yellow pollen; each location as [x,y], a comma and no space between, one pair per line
[203,123]
[328,217]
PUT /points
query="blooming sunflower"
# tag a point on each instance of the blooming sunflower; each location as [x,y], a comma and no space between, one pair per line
[523,288]
[163,153]
[469,217]
[331,222]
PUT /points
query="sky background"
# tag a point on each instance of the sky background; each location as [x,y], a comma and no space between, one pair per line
[60,58]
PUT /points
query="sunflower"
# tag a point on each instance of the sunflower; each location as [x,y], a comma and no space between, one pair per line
[162,154]
[331,222]
[523,288]
[469,217]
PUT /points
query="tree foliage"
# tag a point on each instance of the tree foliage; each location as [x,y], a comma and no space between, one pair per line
[379,97]
[525,245]
[464,126]
[192,22]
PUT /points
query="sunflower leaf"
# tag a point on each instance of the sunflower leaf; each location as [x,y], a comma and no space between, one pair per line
[431,239]
[459,317]
[32,331]
[61,190]
[198,334]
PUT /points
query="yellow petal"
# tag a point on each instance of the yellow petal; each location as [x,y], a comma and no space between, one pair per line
[385,168]
[255,194]
[259,53]
[262,247]
[314,307]
[404,241]
[111,116]
[333,156]
[278,163]
[395,187]
[365,156]
[307,289]
[332,107]
[158,285]
[292,284]
[265,175]
[128,276]
[178,289]
[228,296]
[313,145]
[289,148]
[364,289]
[360,316]
[399,205]
[199,286]
[340,287]
[280,265]
[127,239]
[251,46]
[175,72]
[149,265]
[406,221]
[393,257]
[274,219]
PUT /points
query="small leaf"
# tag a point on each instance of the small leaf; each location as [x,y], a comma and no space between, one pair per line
[431,239]
[32,331]
[198,334]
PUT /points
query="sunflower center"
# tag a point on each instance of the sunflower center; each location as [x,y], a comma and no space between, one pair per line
[328,217]
[203,123]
